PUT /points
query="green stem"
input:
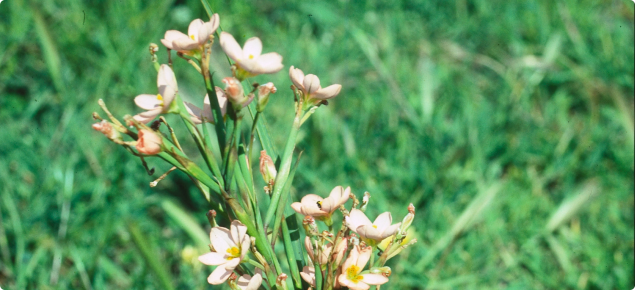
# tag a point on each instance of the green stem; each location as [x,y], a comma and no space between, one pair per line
[283,173]
[252,135]
[219,122]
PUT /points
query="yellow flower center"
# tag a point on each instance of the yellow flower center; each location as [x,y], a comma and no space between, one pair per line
[374,226]
[251,56]
[351,274]
[319,204]
[233,252]
[192,37]
[160,98]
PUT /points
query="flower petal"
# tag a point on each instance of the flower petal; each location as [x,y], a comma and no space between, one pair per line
[252,48]
[208,29]
[212,259]
[297,77]
[311,83]
[309,248]
[369,232]
[328,92]
[269,63]
[238,232]
[357,218]
[364,256]
[352,258]
[221,239]
[374,279]
[185,44]
[147,102]
[219,275]
[335,199]
[383,221]
[147,116]
[170,36]
[195,113]
[230,46]
[192,30]
[308,275]
[391,230]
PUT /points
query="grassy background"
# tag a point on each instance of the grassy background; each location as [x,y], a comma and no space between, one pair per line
[508,124]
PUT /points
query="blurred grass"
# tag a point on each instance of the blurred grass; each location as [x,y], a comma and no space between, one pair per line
[509,125]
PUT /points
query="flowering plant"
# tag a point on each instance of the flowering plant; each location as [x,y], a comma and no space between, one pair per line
[243,253]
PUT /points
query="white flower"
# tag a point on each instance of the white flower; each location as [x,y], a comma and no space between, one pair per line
[378,230]
[160,103]
[246,282]
[318,207]
[351,271]
[249,58]
[310,85]
[230,248]
[198,115]
[198,34]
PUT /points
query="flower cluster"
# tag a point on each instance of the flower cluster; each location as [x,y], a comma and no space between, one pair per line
[244,255]
[357,233]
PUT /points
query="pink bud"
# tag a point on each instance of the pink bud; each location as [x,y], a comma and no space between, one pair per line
[149,142]
[267,168]
[234,91]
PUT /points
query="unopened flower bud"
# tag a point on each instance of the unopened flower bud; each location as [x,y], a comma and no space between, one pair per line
[340,251]
[365,201]
[149,142]
[281,281]
[153,48]
[211,217]
[235,93]
[107,129]
[263,95]
[407,220]
[267,168]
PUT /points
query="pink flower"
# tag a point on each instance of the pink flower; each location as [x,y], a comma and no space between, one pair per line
[198,115]
[310,85]
[230,248]
[198,33]
[249,58]
[149,142]
[377,231]
[351,276]
[318,207]
[160,103]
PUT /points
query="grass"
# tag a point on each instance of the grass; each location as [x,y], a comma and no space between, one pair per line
[509,125]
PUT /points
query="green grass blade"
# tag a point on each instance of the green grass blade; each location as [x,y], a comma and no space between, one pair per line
[145,248]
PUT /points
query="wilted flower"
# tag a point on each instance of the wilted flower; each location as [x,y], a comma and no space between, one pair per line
[377,231]
[246,282]
[249,60]
[322,208]
[351,270]
[308,275]
[149,142]
[107,129]
[199,116]
[157,104]
[324,250]
[310,85]
[198,34]
[230,248]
